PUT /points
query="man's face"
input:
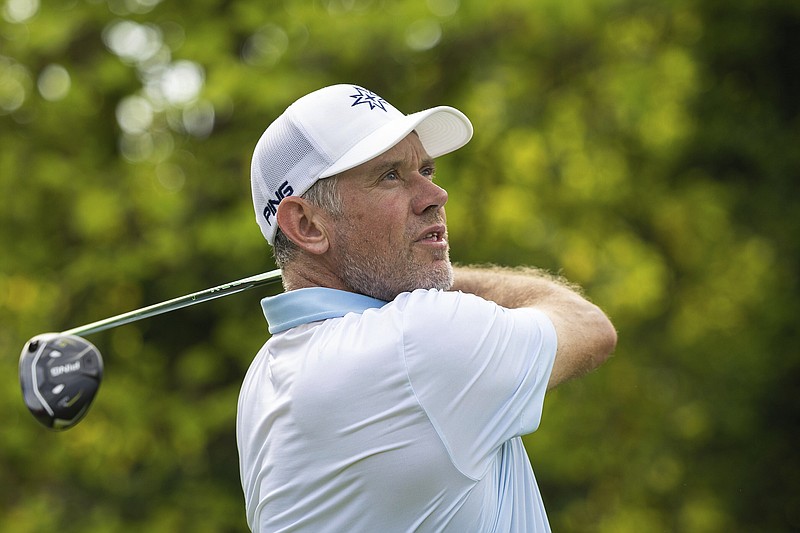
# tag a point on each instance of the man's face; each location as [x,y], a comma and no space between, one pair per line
[392,234]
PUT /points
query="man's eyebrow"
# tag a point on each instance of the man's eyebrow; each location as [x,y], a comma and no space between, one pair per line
[428,162]
[382,167]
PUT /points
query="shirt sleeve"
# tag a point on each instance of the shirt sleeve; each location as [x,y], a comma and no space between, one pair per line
[479,370]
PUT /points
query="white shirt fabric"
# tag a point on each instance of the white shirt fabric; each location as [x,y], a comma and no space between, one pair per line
[363,415]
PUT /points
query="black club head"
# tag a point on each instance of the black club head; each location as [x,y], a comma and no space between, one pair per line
[60,376]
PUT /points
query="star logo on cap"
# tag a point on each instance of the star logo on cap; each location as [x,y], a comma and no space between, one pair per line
[364,96]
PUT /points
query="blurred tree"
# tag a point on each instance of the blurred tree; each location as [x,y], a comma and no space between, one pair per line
[645,150]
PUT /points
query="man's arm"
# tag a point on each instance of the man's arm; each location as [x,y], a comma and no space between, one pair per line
[586,337]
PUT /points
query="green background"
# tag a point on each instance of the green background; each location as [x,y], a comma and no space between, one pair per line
[648,151]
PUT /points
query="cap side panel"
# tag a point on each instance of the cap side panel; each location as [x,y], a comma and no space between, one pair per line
[285,163]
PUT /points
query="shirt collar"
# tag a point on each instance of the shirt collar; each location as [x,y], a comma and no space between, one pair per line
[302,306]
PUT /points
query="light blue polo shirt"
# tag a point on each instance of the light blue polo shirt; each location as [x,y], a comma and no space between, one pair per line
[364,415]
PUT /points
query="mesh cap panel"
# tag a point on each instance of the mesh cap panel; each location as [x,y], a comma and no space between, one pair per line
[285,163]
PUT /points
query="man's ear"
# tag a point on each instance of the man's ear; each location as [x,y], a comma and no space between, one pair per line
[303,224]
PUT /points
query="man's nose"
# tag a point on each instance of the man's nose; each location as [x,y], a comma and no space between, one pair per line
[429,196]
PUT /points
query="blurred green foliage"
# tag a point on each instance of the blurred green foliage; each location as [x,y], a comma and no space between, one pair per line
[646,150]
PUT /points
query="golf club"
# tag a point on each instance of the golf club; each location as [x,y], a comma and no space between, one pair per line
[60,373]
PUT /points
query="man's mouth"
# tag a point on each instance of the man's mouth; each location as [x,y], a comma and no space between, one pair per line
[433,234]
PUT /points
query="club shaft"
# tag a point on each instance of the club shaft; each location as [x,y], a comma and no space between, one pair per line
[233,287]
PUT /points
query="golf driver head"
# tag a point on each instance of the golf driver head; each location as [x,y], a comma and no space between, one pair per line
[60,375]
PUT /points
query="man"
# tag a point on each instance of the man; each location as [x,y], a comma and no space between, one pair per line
[394,391]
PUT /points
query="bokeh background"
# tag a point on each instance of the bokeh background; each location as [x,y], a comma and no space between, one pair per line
[647,150]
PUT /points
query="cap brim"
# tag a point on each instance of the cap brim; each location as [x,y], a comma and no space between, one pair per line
[441,130]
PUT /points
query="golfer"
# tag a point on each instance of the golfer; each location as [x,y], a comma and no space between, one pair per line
[395,388]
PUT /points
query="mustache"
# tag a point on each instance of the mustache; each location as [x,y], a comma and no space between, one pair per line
[433,219]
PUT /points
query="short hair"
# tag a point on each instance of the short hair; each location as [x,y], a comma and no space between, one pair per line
[323,194]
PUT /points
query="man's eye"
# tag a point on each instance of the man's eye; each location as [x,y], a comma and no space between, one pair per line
[428,171]
[391,176]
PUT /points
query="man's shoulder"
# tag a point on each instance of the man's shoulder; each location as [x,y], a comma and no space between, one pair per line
[447,313]
[432,298]
[424,306]
[460,319]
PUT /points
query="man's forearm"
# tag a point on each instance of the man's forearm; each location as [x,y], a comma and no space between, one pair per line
[511,287]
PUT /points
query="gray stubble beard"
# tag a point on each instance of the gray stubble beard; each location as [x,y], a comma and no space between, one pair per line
[369,276]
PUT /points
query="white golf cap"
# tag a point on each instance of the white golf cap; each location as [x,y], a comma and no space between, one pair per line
[335,129]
